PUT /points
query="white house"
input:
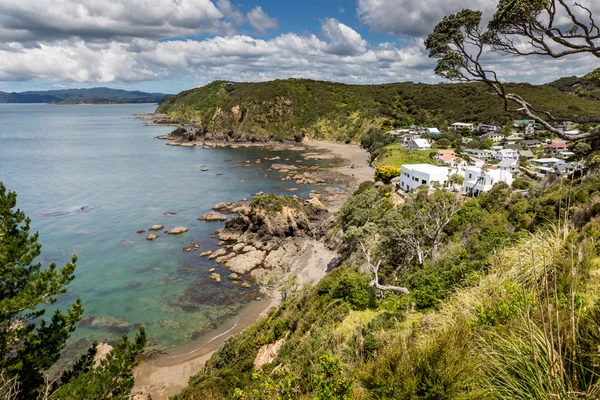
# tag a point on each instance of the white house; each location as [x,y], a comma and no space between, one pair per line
[415,175]
[489,128]
[478,181]
[459,126]
[507,154]
[407,137]
[419,144]
[481,154]
[493,136]
[509,164]
[476,162]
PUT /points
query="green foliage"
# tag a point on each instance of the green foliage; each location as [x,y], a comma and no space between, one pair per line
[386,173]
[27,348]
[29,343]
[331,382]
[353,288]
[398,155]
[282,109]
[112,378]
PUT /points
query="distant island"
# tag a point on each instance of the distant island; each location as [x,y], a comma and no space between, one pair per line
[100,95]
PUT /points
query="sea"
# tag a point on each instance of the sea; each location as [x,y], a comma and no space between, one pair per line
[90,177]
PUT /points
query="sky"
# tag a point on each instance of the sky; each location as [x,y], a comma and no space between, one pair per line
[172,45]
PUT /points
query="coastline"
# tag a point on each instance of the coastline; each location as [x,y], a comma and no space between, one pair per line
[168,373]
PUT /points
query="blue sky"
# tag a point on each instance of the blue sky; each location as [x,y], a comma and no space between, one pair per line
[173,45]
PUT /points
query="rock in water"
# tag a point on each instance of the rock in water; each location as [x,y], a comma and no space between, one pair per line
[178,230]
[141,231]
[152,237]
[213,216]
[234,277]
[215,277]
[220,206]
[204,169]
[156,227]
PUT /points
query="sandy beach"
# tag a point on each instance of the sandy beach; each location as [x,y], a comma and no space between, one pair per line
[168,373]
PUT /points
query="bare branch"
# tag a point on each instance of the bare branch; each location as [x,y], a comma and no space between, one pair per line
[375,270]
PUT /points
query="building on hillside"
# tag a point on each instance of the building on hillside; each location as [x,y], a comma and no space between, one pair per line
[407,137]
[493,136]
[572,132]
[459,126]
[453,161]
[419,144]
[554,149]
[441,153]
[481,154]
[505,154]
[496,147]
[478,180]
[531,144]
[484,128]
[546,162]
[526,155]
[414,175]
[565,155]
[565,126]
[430,131]
[476,162]
[512,140]
[522,123]
[509,164]
[568,168]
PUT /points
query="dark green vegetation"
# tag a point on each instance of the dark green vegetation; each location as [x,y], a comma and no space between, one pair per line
[294,108]
[75,96]
[30,344]
[503,304]
[587,86]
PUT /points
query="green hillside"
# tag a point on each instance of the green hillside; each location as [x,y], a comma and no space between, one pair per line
[587,86]
[284,109]
[505,305]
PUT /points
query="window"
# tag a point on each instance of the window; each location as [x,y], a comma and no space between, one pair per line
[470,176]
[423,181]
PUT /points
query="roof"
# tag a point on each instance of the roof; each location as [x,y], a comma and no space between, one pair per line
[524,121]
[547,160]
[421,142]
[507,163]
[426,168]
[526,153]
[557,146]
[433,131]
[531,141]
[446,152]
[462,124]
[475,159]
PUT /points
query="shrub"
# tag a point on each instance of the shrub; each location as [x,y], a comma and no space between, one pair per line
[386,173]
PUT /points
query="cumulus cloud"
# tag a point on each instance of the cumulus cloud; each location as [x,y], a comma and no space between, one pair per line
[23,20]
[343,40]
[413,17]
[261,21]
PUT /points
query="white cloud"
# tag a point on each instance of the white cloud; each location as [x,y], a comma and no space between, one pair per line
[29,20]
[261,21]
[343,40]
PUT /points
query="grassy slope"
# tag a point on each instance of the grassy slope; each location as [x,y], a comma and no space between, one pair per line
[394,154]
[335,111]
[476,342]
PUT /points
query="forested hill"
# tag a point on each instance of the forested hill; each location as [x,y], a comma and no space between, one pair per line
[587,86]
[93,95]
[336,111]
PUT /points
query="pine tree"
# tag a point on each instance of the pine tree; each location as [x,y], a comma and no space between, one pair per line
[29,343]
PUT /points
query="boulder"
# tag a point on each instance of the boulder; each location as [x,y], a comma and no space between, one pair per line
[233,276]
[102,351]
[140,396]
[267,353]
[205,254]
[246,285]
[217,253]
[141,231]
[204,169]
[156,227]
[244,263]
[152,237]
[220,206]
[239,247]
[215,277]
[213,216]
[178,230]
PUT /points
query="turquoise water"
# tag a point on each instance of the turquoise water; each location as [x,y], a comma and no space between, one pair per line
[60,159]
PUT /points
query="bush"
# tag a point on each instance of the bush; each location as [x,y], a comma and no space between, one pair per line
[386,173]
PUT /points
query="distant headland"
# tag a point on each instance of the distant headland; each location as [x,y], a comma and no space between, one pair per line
[99,95]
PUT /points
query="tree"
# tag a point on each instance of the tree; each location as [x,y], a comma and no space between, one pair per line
[417,230]
[30,344]
[459,42]
[443,143]
[456,180]
[386,173]
[582,149]
[27,348]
